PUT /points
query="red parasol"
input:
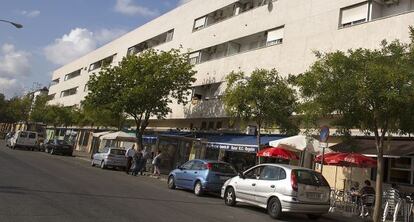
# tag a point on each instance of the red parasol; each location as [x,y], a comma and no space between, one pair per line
[277,152]
[318,158]
[347,160]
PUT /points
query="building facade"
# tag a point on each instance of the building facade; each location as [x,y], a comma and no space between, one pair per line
[228,35]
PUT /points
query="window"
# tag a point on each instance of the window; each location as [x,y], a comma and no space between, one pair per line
[51,96]
[200,23]
[400,170]
[73,74]
[354,15]
[197,165]
[152,42]
[23,135]
[32,135]
[270,173]
[254,173]
[219,125]
[203,125]
[187,166]
[69,92]
[275,36]
[102,63]
[309,177]
[54,82]
[194,58]
[210,125]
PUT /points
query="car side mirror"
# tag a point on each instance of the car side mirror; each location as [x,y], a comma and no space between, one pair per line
[241,175]
[180,167]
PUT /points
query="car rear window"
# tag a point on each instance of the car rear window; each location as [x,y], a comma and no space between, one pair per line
[32,135]
[222,168]
[23,134]
[118,152]
[312,178]
[61,142]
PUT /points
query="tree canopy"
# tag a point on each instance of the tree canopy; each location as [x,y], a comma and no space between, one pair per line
[143,86]
[263,97]
[367,89]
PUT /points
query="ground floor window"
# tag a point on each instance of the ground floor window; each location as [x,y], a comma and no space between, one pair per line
[400,170]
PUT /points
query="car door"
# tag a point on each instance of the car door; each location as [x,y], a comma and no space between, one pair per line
[195,171]
[245,187]
[268,183]
[181,175]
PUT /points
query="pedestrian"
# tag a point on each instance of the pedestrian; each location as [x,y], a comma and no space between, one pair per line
[137,163]
[393,201]
[365,194]
[143,161]
[129,154]
[156,162]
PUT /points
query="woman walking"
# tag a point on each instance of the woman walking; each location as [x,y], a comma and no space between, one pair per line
[156,162]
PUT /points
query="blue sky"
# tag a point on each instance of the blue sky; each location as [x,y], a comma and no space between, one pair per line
[56,32]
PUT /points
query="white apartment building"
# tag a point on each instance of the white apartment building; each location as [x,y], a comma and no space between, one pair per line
[229,35]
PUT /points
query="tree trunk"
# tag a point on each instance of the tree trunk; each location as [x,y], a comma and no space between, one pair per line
[378,184]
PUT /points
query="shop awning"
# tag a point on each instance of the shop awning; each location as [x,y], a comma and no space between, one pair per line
[238,143]
[101,133]
[397,147]
[299,143]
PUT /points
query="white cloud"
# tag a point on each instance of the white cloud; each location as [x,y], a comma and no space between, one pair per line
[10,87]
[181,2]
[78,42]
[14,67]
[13,62]
[105,35]
[30,14]
[128,7]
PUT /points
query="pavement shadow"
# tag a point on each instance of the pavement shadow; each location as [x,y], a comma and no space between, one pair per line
[22,190]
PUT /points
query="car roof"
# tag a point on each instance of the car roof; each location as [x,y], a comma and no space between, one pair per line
[286,166]
[209,161]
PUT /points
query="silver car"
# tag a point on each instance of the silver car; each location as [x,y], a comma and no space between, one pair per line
[280,188]
[110,157]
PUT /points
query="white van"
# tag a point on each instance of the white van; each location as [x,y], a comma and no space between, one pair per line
[25,139]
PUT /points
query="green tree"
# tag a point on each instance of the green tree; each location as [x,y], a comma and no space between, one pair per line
[18,109]
[143,86]
[364,89]
[263,97]
[90,115]
[39,109]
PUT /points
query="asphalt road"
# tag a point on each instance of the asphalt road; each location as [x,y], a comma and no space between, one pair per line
[36,186]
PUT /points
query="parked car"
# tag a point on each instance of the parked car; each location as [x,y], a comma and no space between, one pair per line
[56,146]
[201,176]
[24,139]
[110,157]
[280,188]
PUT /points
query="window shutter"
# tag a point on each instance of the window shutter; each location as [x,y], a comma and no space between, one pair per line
[275,34]
[355,13]
[200,22]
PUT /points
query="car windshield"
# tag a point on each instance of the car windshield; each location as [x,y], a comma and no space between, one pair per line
[61,142]
[117,152]
[312,178]
[222,168]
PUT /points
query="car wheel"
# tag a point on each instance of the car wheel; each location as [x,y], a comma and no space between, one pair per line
[103,166]
[171,182]
[274,208]
[314,216]
[198,189]
[230,197]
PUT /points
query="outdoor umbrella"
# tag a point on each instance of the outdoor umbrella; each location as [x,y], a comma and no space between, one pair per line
[277,152]
[347,160]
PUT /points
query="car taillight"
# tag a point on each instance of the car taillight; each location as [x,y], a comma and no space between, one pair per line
[208,166]
[294,181]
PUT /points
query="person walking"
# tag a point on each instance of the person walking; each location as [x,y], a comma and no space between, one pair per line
[129,154]
[143,161]
[156,162]
[137,163]
[393,201]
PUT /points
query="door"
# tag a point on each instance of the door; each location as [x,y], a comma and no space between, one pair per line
[22,139]
[32,139]
[245,188]
[182,174]
[312,186]
[269,182]
[195,172]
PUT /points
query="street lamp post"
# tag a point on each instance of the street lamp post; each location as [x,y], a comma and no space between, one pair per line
[17,25]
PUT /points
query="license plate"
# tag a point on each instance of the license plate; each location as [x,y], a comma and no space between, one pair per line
[224,178]
[314,196]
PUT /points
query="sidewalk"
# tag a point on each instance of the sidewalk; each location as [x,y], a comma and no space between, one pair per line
[87,157]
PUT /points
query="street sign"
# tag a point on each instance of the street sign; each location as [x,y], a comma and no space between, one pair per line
[324,134]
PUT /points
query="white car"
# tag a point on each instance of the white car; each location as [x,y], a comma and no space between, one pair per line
[280,188]
[110,157]
[25,139]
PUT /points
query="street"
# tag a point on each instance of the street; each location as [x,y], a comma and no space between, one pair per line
[35,186]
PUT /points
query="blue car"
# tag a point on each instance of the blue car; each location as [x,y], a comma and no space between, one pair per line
[201,176]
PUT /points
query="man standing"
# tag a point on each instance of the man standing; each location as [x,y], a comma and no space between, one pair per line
[129,155]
